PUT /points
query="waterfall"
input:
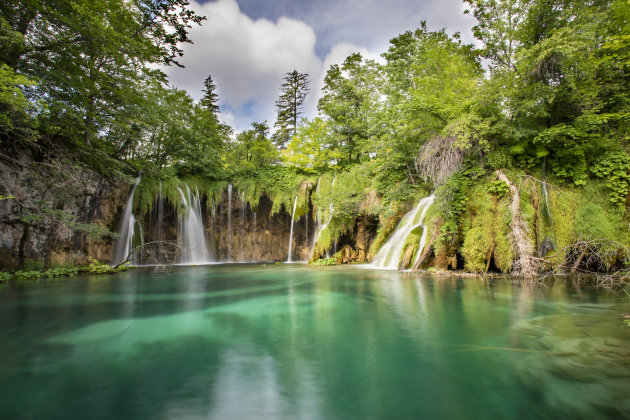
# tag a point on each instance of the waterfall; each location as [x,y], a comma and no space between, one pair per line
[291,234]
[241,256]
[213,227]
[423,238]
[320,226]
[159,227]
[126,230]
[388,257]
[160,216]
[255,228]
[306,216]
[229,227]
[191,230]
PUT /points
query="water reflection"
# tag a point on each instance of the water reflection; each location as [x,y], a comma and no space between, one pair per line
[293,341]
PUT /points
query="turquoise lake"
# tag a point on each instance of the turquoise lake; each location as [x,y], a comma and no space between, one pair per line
[290,341]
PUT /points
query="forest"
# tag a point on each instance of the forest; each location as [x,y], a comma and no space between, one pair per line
[523,137]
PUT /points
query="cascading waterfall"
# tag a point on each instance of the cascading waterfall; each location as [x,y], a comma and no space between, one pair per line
[213,226]
[255,222]
[388,257]
[191,229]
[159,226]
[316,221]
[241,241]
[291,234]
[320,226]
[126,231]
[229,227]
[423,239]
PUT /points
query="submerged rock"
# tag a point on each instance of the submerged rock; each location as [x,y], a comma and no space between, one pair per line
[578,365]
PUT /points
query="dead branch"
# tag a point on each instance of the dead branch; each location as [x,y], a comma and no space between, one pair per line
[438,159]
[589,258]
[151,251]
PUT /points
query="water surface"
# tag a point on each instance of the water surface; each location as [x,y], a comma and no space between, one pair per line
[292,341]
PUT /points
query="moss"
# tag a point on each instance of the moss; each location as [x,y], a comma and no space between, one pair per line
[385,229]
[475,249]
[486,232]
[503,250]
[323,243]
[594,223]
[410,247]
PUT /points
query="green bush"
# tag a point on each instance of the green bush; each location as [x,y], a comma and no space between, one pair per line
[615,169]
[326,261]
[97,267]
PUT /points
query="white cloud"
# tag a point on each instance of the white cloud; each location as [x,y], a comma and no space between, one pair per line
[336,55]
[246,58]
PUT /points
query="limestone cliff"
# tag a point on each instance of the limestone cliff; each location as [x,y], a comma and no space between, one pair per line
[60,212]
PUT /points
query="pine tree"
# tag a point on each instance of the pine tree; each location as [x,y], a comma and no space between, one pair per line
[294,89]
[210,99]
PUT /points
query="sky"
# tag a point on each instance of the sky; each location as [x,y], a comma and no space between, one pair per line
[248,46]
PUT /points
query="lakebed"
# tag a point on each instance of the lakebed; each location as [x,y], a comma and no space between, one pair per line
[297,341]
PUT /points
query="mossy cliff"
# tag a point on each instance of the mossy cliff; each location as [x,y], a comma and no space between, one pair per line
[58,212]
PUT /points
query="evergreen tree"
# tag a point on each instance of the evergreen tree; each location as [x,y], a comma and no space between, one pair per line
[210,98]
[294,89]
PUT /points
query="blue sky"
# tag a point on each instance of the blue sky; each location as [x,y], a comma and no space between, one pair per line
[248,45]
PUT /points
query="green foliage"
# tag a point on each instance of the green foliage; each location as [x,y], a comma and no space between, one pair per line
[451,199]
[13,102]
[5,276]
[314,147]
[385,228]
[410,247]
[30,274]
[31,264]
[92,59]
[294,90]
[61,271]
[499,159]
[487,230]
[326,261]
[498,188]
[604,228]
[615,169]
[252,150]
[27,275]
[97,267]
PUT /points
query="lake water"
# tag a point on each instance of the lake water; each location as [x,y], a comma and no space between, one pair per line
[298,342]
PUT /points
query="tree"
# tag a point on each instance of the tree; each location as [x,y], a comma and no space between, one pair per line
[252,150]
[210,98]
[349,95]
[294,89]
[498,28]
[91,57]
[430,81]
[313,148]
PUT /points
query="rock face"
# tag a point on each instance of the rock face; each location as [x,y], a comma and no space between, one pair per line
[260,236]
[60,213]
[236,233]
